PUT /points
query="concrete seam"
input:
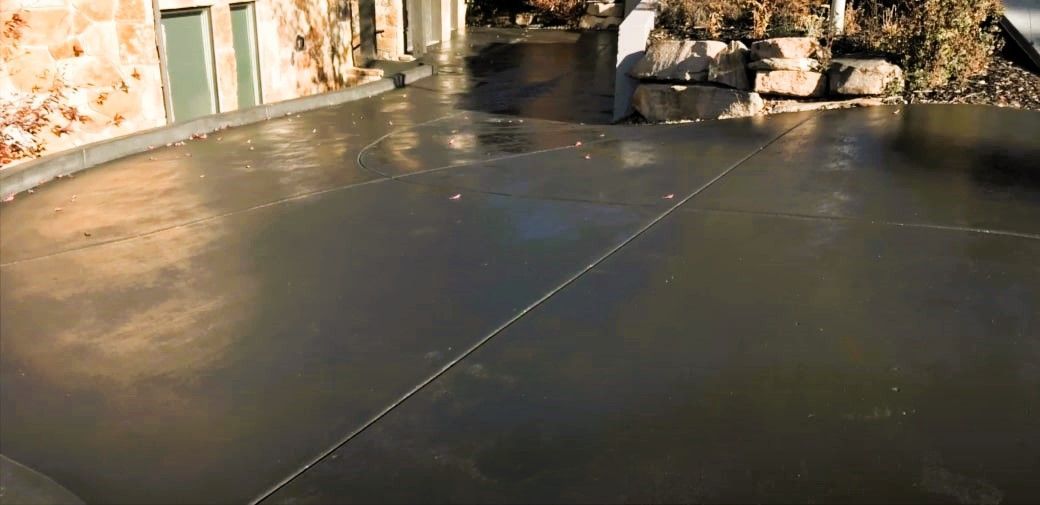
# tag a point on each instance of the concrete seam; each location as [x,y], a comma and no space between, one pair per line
[847,219]
[119,240]
[509,322]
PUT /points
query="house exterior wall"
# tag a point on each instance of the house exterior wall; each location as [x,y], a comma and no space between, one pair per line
[99,54]
[389,29]
[100,58]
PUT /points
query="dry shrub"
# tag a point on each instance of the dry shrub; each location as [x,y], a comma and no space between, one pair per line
[565,9]
[753,18]
[709,16]
[939,40]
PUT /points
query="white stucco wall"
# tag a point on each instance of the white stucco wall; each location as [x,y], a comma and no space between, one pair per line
[1024,15]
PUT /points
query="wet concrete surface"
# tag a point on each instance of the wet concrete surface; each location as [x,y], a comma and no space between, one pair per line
[830,307]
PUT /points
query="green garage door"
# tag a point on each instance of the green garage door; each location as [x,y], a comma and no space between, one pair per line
[244,30]
[189,62]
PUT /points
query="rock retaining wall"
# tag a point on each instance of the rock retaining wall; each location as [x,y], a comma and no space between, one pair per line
[681,79]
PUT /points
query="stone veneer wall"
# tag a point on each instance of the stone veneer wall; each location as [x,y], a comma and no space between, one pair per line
[104,51]
[389,34]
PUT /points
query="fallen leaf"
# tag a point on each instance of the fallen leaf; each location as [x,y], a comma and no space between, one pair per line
[86,234]
[58,209]
[456,196]
[669,196]
[577,144]
[588,156]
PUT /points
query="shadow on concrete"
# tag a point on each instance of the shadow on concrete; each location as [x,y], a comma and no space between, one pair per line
[571,80]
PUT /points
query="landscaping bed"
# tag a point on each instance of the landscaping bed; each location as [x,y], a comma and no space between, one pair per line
[948,51]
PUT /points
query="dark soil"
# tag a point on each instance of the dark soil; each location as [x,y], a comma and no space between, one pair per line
[1007,83]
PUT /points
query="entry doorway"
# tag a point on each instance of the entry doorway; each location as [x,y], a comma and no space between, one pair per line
[188,41]
[243,30]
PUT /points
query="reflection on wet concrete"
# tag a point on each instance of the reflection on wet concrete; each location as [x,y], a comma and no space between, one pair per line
[845,311]
[719,359]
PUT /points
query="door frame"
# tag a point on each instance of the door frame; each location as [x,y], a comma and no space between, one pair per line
[207,40]
[255,39]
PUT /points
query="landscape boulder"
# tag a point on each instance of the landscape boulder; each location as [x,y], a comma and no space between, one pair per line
[664,102]
[589,22]
[677,60]
[729,67]
[606,9]
[791,83]
[800,64]
[860,77]
[785,47]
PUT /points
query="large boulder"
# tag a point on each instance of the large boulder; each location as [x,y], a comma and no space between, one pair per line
[589,22]
[729,67]
[791,83]
[664,102]
[800,64]
[677,60]
[606,9]
[785,47]
[859,77]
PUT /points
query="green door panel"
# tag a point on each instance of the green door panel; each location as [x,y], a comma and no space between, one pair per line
[244,36]
[189,62]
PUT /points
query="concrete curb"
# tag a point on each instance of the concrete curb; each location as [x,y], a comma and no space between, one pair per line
[33,173]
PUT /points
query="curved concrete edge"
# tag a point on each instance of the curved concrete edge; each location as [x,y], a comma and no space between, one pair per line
[30,174]
[21,485]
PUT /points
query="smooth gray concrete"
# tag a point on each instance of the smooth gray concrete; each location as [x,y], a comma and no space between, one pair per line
[20,485]
[438,294]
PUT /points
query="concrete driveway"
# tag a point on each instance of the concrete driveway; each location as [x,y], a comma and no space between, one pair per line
[475,290]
